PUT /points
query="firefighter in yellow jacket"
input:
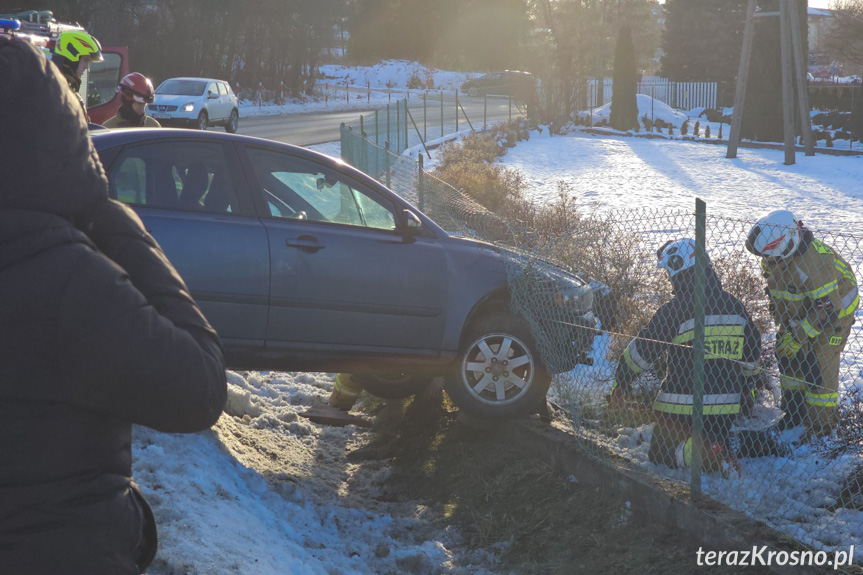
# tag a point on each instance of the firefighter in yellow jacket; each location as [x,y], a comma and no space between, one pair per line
[813,297]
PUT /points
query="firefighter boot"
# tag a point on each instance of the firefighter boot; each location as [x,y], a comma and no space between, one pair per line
[820,420]
[760,443]
[345,393]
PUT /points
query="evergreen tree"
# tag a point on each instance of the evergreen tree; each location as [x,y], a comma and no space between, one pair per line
[762,114]
[624,105]
[702,42]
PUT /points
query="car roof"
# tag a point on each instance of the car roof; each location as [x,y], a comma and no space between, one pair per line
[195,79]
[105,139]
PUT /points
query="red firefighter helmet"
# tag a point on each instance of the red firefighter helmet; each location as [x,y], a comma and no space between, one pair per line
[136,87]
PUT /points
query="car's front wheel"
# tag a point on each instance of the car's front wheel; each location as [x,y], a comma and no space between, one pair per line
[233,123]
[392,385]
[473,92]
[499,374]
[203,120]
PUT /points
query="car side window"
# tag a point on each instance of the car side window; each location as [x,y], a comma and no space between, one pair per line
[184,176]
[222,90]
[211,87]
[298,189]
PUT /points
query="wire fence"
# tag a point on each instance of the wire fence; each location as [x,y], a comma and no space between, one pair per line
[427,118]
[739,378]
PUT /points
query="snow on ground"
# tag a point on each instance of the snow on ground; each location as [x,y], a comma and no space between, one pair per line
[614,173]
[362,88]
[395,74]
[266,492]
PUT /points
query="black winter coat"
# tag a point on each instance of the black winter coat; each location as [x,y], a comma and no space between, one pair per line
[97,332]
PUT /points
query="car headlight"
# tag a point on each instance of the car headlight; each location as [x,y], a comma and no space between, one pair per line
[574,298]
[189,107]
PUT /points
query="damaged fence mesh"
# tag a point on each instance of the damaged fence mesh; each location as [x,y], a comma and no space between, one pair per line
[781,405]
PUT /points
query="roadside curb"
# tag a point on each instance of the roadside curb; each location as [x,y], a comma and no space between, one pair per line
[715,141]
[708,524]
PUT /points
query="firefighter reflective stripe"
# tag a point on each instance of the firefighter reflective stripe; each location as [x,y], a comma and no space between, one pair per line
[849,302]
[822,399]
[683,453]
[689,325]
[824,290]
[712,331]
[842,268]
[791,383]
[809,328]
[714,404]
[634,360]
[787,295]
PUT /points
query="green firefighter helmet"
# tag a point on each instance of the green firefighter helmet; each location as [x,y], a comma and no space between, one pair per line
[72,44]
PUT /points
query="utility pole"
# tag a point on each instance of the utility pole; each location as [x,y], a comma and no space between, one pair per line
[793,63]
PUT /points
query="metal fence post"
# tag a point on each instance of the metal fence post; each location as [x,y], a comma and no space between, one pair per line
[425,120]
[406,123]
[420,182]
[363,150]
[441,114]
[376,127]
[387,161]
[698,348]
[485,111]
[398,129]
[344,141]
[388,124]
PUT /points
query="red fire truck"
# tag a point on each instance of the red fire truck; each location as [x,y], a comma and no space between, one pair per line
[98,86]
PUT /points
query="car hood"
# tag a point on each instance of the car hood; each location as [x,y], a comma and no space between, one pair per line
[175,99]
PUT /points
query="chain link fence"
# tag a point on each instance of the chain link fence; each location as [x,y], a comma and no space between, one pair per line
[426,119]
[764,413]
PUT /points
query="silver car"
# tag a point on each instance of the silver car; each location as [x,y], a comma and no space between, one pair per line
[196,102]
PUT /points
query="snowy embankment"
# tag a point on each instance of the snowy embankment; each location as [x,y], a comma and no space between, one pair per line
[796,494]
[363,88]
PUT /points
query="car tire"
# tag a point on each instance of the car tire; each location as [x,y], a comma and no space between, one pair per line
[203,120]
[516,391]
[473,92]
[233,123]
[392,385]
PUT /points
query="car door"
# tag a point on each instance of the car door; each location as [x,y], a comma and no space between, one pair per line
[224,99]
[343,276]
[191,196]
[214,104]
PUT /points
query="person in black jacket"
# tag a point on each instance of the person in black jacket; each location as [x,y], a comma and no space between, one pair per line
[97,332]
[731,352]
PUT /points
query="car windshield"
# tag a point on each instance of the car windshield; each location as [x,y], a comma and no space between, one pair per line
[181,87]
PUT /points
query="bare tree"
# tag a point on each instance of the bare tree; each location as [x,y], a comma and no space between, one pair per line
[844,38]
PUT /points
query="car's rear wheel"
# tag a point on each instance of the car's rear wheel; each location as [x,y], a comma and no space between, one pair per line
[233,123]
[499,374]
[203,120]
[392,385]
[473,92]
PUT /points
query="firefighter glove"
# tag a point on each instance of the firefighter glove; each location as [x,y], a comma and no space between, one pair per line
[787,345]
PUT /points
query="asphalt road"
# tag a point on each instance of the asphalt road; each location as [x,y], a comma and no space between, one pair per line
[317,128]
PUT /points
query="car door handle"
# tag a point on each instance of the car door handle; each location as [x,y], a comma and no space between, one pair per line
[305,243]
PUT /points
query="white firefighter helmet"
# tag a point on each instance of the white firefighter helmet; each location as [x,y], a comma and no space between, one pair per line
[676,256]
[775,235]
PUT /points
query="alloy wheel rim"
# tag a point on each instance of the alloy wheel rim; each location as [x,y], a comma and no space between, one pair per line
[498,369]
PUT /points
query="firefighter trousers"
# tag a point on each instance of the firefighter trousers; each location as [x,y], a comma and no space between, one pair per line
[810,381]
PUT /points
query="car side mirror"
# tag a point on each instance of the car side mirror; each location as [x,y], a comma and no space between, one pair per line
[412,223]
[211,96]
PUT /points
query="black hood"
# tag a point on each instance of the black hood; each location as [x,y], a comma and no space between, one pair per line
[683,283]
[49,163]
